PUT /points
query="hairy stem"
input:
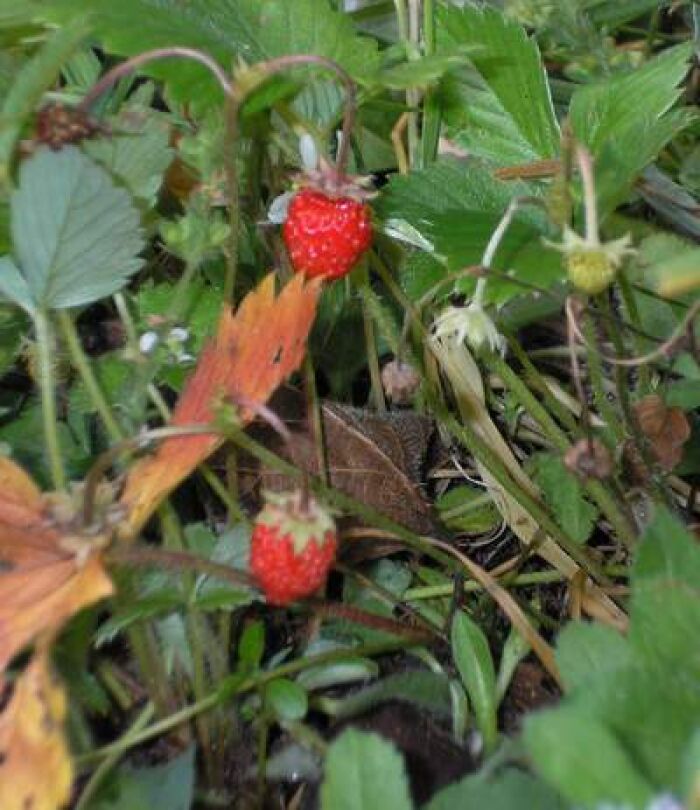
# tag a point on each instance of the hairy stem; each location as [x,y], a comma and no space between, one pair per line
[47,388]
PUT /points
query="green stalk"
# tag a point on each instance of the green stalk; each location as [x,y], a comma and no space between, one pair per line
[47,389]
[231,112]
[595,489]
[84,368]
[597,381]
[377,390]
[537,382]
[630,305]
[174,541]
[432,110]
[236,686]
[630,420]
[481,451]
[109,762]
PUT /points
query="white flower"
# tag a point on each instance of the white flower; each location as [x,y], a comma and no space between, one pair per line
[147,342]
[470,323]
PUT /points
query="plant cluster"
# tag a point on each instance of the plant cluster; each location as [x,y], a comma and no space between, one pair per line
[349,449]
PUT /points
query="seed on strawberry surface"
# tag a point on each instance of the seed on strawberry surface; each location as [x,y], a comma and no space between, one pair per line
[326,235]
[292,547]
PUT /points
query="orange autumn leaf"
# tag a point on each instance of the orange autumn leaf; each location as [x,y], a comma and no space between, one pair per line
[253,352]
[47,574]
[35,765]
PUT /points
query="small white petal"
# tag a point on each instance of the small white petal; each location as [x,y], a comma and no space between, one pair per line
[308,152]
[277,212]
[147,342]
[179,334]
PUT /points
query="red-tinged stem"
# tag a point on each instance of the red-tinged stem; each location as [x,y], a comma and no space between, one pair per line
[339,610]
[172,52]
[105,460]
[178,560]
[284,62]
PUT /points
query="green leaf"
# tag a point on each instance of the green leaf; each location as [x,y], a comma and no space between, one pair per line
[472,656]
[228,30]
[454,206]
[286,699]
[34,78]
[512,790]
[666,595]
[139,155]
[421,72]
[588,651]
[627,120]
[364,772]
[350,670]
[583,760]
[170,786]
[428,690]
[564,495]
[513,96]
[252,645]
[13,285]
[76,235]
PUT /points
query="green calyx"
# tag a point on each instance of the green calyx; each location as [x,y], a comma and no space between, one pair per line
[301,518]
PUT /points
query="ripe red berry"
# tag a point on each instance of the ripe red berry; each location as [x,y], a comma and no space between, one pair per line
[326,235]
[292,547]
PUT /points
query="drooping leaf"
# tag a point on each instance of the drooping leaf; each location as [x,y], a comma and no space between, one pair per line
[254,351]
[228,30]
[76,236]
[45,576]
[35,766]
[510,98]
[364,772]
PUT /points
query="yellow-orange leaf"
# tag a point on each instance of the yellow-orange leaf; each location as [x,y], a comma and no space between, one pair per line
[46,574]
[253,352]
[35,765]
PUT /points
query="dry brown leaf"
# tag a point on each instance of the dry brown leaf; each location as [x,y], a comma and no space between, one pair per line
[35,765]
[254,351]
[46,575]
[372,457]
[667,429]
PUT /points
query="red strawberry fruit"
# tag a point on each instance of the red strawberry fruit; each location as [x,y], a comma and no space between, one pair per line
[292,547]
[326,234]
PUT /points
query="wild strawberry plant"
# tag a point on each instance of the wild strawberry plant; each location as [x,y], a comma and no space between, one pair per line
[349,404]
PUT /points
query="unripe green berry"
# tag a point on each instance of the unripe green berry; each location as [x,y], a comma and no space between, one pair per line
[590,271]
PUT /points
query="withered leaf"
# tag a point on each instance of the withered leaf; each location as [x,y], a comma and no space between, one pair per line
[667,429]
[254,351]
[35,765]
[372,457]
[44,577]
